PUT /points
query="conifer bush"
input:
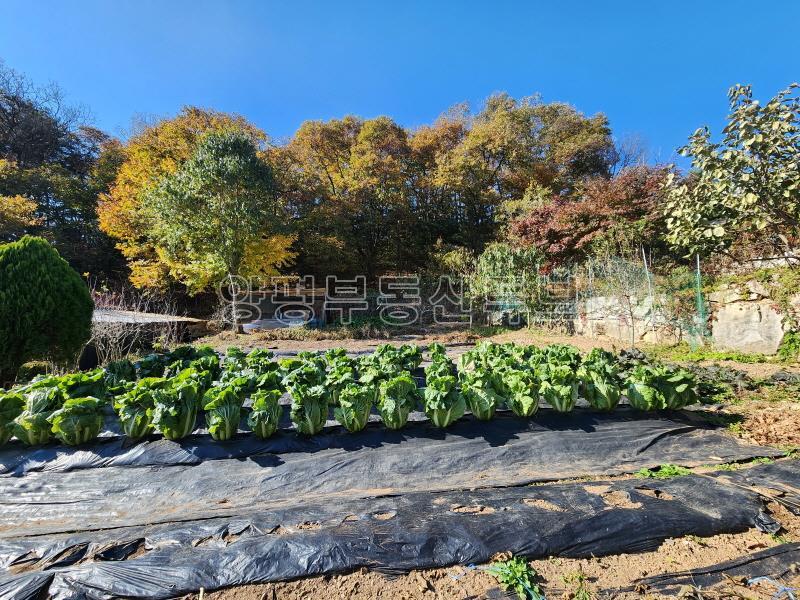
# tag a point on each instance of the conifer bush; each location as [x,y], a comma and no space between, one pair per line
[45,306]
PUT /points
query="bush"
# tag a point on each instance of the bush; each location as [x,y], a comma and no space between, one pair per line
[45,307]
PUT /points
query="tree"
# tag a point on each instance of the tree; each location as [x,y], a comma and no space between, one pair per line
[625,212]
[213,216]
[47,157]
[17,214]
[45,306]
[748,184]
[516,153]
[346,180]
[156,150]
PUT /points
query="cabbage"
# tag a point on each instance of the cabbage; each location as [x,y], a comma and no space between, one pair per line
[599,388]
[135,407]
[32,428]
[523,392]
[396,398]
[78,421]
[480,394]
[643,388]
[42,398]
[309,409]
[444,404]
[11,406]
[355,404]
[558,387]
[223,408]
[175,409]
[266,412]
[679,389]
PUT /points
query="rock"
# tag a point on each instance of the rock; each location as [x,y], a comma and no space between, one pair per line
[725,295]
[748,327]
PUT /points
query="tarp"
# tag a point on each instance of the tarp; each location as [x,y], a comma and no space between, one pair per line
[160,518]
[775,563]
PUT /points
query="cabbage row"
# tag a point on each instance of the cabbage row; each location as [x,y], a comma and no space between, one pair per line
[164,393]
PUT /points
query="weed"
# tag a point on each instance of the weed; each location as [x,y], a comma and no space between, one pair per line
[667,471]
[779,539]
[581,591]
[764,460]
[697,540]
[517,575]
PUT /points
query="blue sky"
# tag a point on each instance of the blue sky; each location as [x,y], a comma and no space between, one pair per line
[657,69]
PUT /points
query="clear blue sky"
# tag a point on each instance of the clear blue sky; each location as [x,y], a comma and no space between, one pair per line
[657,69]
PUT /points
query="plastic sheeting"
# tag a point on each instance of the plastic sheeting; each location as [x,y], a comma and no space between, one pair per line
[774,563]
[159,518]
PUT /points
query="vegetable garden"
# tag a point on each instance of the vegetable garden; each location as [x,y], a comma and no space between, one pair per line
[322,462]
[164,392]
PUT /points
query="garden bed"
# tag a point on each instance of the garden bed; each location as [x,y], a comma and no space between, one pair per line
[178,516]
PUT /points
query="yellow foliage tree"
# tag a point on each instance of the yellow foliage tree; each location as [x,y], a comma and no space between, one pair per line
[153,152]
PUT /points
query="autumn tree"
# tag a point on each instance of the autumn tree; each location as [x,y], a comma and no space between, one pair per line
[515,155]
[624,213]
[346,181]
[211,218]
[154,151]
[745,185]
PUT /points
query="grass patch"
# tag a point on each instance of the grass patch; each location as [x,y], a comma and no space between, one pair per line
[764,460]
[684,353]
[667,471]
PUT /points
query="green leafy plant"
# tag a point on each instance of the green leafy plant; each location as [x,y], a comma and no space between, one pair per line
[223,408]
[396,398]
[678,388]
[175,409]
[516,575]
[523,392]
[340,374]
[666,471]
[578,579]
[355,403]
[78,421]
[643,390]
[480,394]
[266,412]
[598,377]
[309,409]
[559,386]
[42,398]
[118,373]
[11,406]
[444,404]
[135,407]
[85,384]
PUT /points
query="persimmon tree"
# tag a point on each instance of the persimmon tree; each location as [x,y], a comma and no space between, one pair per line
[747,184]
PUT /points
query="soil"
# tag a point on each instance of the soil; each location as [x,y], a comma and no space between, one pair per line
[752,418]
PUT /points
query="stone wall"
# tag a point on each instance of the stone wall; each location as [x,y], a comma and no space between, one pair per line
[747,319]
[741,318]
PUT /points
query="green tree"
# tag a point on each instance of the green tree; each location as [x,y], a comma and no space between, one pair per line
[45,306]
[212,215]
[748,184]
